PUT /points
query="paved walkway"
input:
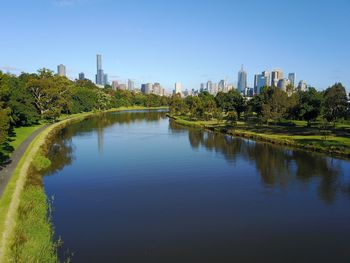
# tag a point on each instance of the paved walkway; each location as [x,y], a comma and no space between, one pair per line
[7,171]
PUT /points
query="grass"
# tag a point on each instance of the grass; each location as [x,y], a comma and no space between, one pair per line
[336,142]
[21,134]
[26,233]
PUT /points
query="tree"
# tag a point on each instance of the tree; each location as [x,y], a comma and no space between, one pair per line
[51,93]
[335,103]
[21,102]
[275,103]
[103,100]
[309,106]
[4,124]
[4,110]
[178,105]
[83,99]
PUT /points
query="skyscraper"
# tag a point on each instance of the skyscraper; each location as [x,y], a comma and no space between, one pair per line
[209,86]
[81,76]
[222,86]
[148,88]
[266,76]
[282,84]
[100,76]
[61,70]
[291,77]
[276,75]
[256,80]
[105,79]
[156,88]
[131,84]
[261,80]
[242,80]
[302,86]
[178,87]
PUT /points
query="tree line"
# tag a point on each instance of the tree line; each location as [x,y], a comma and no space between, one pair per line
[272,104]
[27,99]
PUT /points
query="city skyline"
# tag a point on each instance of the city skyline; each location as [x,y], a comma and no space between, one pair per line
[205,50]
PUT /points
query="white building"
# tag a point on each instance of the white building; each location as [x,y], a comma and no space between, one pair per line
[178,88]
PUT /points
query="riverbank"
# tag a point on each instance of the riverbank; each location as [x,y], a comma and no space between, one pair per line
[26,233]
[333,143]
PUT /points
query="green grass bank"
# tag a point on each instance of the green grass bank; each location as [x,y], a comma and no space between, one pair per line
[334,142]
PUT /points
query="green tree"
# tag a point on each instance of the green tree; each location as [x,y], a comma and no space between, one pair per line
[275,104]
[178,105]
[309,106]
[83,99]
[51,93]
[103,101]
[335,103]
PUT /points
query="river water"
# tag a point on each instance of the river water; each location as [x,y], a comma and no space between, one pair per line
[136,187]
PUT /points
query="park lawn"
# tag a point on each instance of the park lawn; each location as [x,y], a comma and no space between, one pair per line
[22,133]
[337,143]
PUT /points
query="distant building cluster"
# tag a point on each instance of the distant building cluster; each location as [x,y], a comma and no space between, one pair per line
[153,88]
[265,78]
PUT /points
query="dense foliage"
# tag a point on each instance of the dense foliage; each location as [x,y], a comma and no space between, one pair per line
[271,105]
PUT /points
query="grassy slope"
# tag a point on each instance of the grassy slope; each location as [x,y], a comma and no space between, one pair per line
[21,134]
[25,230]
[337,143]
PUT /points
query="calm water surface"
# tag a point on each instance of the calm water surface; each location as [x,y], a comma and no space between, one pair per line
[135,187]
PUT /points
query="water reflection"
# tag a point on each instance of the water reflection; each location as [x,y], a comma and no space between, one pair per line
[61,151]
[276,165]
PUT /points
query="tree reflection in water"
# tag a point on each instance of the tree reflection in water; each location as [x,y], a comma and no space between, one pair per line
[276,165]
[61,149]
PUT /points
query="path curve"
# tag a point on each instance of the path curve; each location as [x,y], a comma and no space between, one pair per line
[7,171]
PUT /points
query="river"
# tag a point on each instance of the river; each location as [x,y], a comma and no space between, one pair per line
[136,187]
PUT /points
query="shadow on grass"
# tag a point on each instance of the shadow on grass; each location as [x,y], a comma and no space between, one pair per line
[6,150]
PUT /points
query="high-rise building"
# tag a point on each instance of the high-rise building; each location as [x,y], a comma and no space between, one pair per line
[148,88]
[81,76]
[266,76]
[282,84]
[178,88]
[256,80]
[222,86]
[156,88]
[105,79]
[61,70]
[242,80]
[291,77]
[276,75]
[131,84]
[302,86]
[209,86]
[261,80]
[202,88]
[101,78]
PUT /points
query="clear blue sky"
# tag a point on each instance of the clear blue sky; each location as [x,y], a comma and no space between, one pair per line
[186,41]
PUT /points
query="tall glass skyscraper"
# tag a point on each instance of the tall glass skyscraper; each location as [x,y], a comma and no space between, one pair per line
[101,78]
[291,77]
[242,80]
